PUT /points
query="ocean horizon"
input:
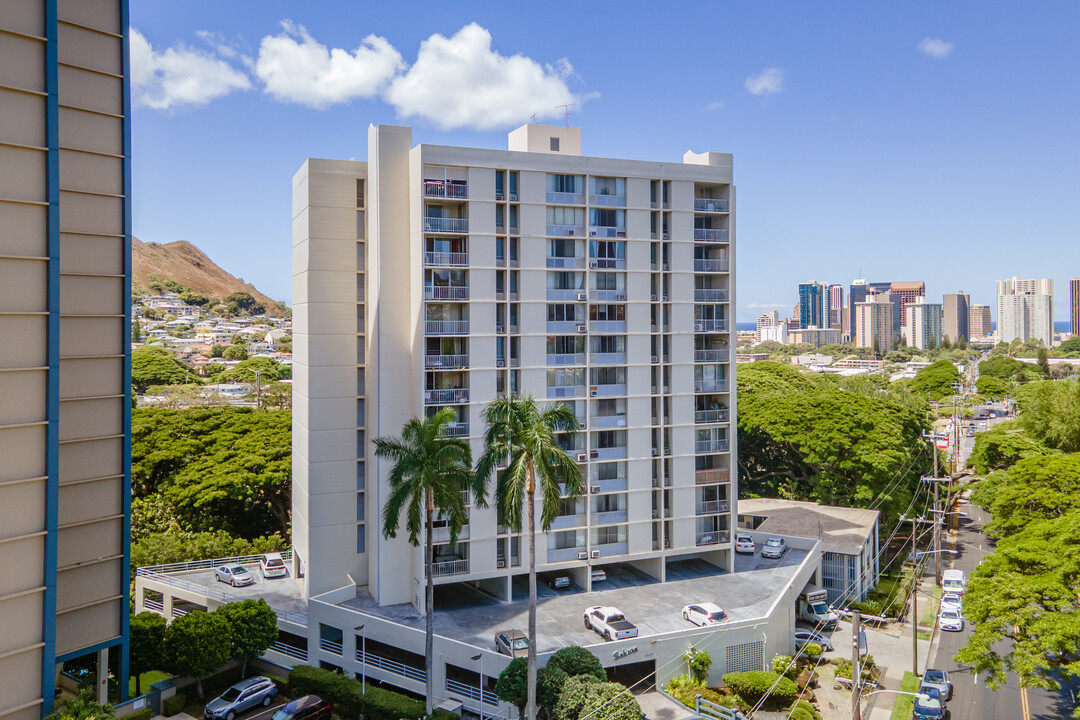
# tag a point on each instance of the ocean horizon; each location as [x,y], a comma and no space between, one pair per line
[1059,326]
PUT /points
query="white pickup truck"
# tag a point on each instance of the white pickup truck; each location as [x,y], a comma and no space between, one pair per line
[609,623]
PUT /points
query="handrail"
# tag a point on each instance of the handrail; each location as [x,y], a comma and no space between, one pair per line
[376,661]
[473,693]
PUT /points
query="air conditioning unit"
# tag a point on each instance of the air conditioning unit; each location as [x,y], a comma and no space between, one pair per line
[501,564]
[513,197]
[697,327]
[653,298]
[500,363]
[582,297]
[592,264]
[596,553]
[582,328]
[581,457]
[592,233]
[583,556]
[620,296]
[665,236]
[594,454]
[655,452]
[665,298]
[570,233]
[594,489]
[655,514]
[592,393]
[620,233]
[500,328]
[498,196]
[656,358]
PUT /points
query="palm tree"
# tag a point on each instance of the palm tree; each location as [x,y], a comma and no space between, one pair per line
[522,433]
[430,469]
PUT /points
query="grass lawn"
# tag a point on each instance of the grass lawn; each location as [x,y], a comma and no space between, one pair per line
[930,614]
[904,703]
[147,679]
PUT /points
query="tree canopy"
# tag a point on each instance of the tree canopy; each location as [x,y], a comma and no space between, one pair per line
[146,634]
[1050,413]
[196,644]
[992,387]
[1006,368]
[244,372]
[935,381]
[253,629]
[157,366]
[1003,445]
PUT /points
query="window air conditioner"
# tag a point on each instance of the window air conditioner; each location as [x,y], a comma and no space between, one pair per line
[500,328]
[582,297]
[500,363]
[570,233]
[582,328]
[592,264]
[697,327]
[592,393]
[513,197]
[594,454]
[655,514]
[594,489]
[501,564]
[620,233]
[620,296]
[665,236]
[592,233]
[653,298]
[655,452]
[596,553]
[583,556]
[581,457]
[665,298]
[498,196]
[655,359]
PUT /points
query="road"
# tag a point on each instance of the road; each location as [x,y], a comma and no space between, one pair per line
[972,699]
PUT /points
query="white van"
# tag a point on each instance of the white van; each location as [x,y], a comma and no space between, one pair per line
[953,581]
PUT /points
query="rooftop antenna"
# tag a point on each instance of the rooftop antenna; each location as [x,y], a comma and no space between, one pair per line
[532,119]
[566,112]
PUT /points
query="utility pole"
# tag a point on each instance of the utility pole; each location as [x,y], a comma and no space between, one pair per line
[915,581]
[856,670]
[937,512]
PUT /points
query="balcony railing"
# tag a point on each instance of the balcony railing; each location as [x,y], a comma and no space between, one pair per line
[450,567]
[565,295]
[710,205]
[712,538]
[711,355]
[712,507]
[442,224]
[456,429]
[710,265]
[710,295]
[289,651]
[330,646]
[615,358]
[607,326]
[565,554]
[565,198]
[563,359]
[712,476]
[566,230]
[612,549]
[446,396]
[391,666]
[610,517]
[446,292]
[710,386]
[607,231]
[471,691]
[566,391]
[611,390]
[446,259]
[710,416]
[442,534]
[608,486]
[607,421]
[710,326]
[608,200]
[710,235]
[565,327]
[566,262]
[563,522]
[710,446]
[440,189]
[446,362]
[608,295]
[612,453]
[446,327]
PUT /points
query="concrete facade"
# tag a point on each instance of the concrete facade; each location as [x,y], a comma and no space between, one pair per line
[979,321]
[874,324]
[922,328]
[64,372]
[955,311]
[1025,309]
[907,292]
[1074,307]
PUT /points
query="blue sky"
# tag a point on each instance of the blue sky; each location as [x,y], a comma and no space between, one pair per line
[894,141]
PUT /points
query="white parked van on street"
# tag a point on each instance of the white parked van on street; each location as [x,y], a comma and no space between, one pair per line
[953,581]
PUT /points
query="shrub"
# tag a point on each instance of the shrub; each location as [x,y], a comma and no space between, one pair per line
[802,709]
[574,693]
[687,695]
[172,705]
[346,697]
[617,702]
[785,665]
[574,660]
[144,714]
[680,682]
[812,650]
[439,714]
[281,682]
[699,663]
[754,684]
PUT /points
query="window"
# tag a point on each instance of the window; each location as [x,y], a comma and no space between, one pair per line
[565,280]
[565,344]
[609,535]
[609,471]
[613,249]
[608,186]
[499,175]
[608,281]
[563,312]
[554,144]
[565,215]
[566,183]
[566,377]
[608,376]
[599,217]
[607,312]
[562,248]
[359,193]
[361,539]
[610,439]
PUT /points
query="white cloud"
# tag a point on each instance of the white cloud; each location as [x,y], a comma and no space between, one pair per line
[714,106]
[766,82]
[461,82]
[935,47]
[295,67]
[179,75]
[766,306]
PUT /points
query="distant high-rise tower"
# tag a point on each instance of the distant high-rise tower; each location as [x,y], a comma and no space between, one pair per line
[907,292]
[836,306]
[955,317]
[1074,307]
[923,325]
[812,304]
[979,321]
[857,293]
[874,323]
[1025,310]
[767,320]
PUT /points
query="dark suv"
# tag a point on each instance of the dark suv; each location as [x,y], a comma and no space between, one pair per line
[309,707]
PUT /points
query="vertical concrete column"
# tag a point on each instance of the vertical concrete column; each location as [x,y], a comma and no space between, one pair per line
[103,676]
[166,605]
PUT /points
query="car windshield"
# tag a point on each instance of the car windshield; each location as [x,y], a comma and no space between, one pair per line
[230,694]
[282,714]
[934,676]
[820,608]
[520,644]
[772,542]
[950,615]
[954,584]
[239,570]
[615,618]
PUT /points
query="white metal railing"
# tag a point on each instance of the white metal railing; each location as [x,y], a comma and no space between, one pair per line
[438,188]
[566,230]
[559,359]
[710,265]
[608,200]
[710,416]
[711,446]
[446,224]
[712,507]
[456,429]
[206,564]
[710,325]
[712,476]
[714,537]
[442,534]
[711,355]
[446,327]
[446,292]
[330,646]
[710,295]
[392,666]
[566,262]
[710,234]
[446,395]
[449,259]
[446,362]
[710,205]
[461,688]
[293,652]
[607,263]
[450,567]
[566,198]
[607,231]
[710,386]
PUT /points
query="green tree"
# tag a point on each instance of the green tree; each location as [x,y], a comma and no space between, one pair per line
[699,662]
[268,371]
[193,298]
[157,366]
[575,660]
[1038,488]
[522,432]
[183,546]
[235,352]
[197,644]
[136,331]
[1043,361]
[1002,446]
[991,387]
[1070,348]
[617,702]
[936,380]
[253,629]
[217,351]
[429,470]
[243,303]
[1051,413]
[512,686]
[146,635]
[574,694]
[82,707]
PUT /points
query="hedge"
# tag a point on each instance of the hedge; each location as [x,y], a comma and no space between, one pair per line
[444,715]
[173,705]
[753,685]
[347,698]
[144,714]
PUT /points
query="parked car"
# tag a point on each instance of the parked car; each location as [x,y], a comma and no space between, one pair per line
[744,544]
[598,575]
[272,565]
[803,637]
[235,575]
[242,696]
[609,623]
[512,642]
[702,614]
[308,707]
[938,679]
[929,705]
[951,620]
[774,547]
[951,601]
[558,582]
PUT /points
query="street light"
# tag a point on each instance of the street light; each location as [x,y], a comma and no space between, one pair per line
[480,657]
[363,658]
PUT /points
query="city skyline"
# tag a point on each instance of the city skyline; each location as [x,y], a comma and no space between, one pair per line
[837,104]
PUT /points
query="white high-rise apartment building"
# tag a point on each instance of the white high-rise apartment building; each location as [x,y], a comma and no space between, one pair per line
[433,276]
[768,319]
[922,324]
[874,326]
[1025,310]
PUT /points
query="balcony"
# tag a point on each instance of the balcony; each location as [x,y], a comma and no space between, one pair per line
[610,517]
[607,326]
[570,263]
[607,263]
[446,292]
[710,265]
[566,230]
[446,396]
[603,422]
[446,224]
[566,391]
[565,295]
[710,416]
[564,359]
[564,522]
[615,358]
[608,200]
[612,390]
[710,295]
[612,549]
[449,567]
[391,666]
[442,534]
[446,327]
[711,356]
[456,429]
[607,231]
[712,507]
[566,554]
[612,453]
[608,295]
[565,198]
[710,235]
[446,362]
[564,327]
[446,259]
[442,189]
[712,538]
[710,446]
[608,486]
[712,205]
[712,476]
[710,326]
[710,386]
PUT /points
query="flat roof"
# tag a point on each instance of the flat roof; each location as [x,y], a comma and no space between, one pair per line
[844,530]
